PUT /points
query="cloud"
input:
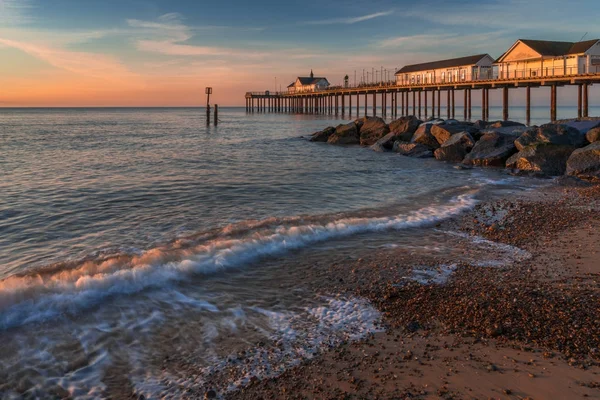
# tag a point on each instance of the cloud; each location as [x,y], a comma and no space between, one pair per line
[15,12]
[168,35]
[81,63]
[348,20]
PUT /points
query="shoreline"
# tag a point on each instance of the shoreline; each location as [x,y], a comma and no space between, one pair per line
[526,330]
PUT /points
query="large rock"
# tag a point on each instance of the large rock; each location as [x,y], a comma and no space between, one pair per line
[386,142]
[443,132]
[542,158]
[584,163]
[551,133]
[515,131]
[373,129]
[405,127]
[493,149]
[583,125]
[593,135]
[503,124]
[322,136]
[456,148]
[423,136]
[480,124]
[415,150]
[345,134]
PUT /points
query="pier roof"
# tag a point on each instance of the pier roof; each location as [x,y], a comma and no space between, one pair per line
[453,62]
[307,80]
[550,48]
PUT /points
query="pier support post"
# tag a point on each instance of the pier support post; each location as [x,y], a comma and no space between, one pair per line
[337,101]
[419,113]
[384,104]
[344,104]
[395,104]
[374,103]
[487,104]
[350,104]
[402,114]
[528,105]
[579,94]
[425,104]
[366,102]
[433,103]
[453,105]
[216,114]
[357,104]
[407,104]
[448,101]
[585,100]
[414,103]
[505,103]
[553,103]
[469,106]
[465,105]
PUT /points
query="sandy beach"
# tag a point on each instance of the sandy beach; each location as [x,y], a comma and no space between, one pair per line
[528,330]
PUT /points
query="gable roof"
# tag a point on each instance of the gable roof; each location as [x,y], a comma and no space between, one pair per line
[553,48]
[292,84]
[453,62]
[307,80]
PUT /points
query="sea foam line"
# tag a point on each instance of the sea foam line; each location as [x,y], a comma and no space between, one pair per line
[34,298]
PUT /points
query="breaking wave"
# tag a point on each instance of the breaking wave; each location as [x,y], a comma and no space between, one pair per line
[65,291]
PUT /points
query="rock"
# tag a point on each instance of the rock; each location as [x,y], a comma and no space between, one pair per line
[542,158]
[373,129]
[493,149]
[451,122]
[551,133]
[515,131]
[593,135]
[405,127]
[480,124]
[584,163]
[386,142]
[443,132]
[415,150]
[456,148]
[582,125]
[423,136]
[345,134]
[322,136]
[211,394]
[503,124]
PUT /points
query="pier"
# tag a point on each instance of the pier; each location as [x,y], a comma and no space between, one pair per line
[424,99]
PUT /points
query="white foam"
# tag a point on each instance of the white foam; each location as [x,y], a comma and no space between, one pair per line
[509,254]
[432,276]
[26,299]
[296,336]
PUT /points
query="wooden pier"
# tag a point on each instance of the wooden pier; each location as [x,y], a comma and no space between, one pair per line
[328,101]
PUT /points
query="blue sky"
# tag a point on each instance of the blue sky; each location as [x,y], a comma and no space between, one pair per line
[138,52]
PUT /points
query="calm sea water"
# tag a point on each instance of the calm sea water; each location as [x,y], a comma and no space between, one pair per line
[133,236]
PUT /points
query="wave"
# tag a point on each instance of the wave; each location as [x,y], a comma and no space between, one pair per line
[50,294]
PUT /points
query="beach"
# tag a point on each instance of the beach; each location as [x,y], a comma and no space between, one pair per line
[526,331]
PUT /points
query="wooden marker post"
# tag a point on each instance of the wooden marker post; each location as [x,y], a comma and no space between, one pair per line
[208,92]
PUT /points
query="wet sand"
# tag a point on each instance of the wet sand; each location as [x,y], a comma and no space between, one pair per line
[526,330]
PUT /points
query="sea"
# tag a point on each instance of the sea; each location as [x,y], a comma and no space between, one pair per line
[141,250]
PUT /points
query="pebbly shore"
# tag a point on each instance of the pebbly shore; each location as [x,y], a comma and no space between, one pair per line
[566,147]
[524,330]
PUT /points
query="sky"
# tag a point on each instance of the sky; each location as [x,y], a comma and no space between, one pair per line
[105,53]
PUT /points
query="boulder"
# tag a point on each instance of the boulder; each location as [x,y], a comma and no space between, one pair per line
[415,150]
[373,129]
[583,125]
[551,133]
[386,142]
[480,124]
[405,127]
[423,136]
[493,149]
[515,131]
[345,134]
[451,122]
[456,148]
[503,124]
[322,136]
[584,163]
[443,132]
[542,158]
[593,135]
